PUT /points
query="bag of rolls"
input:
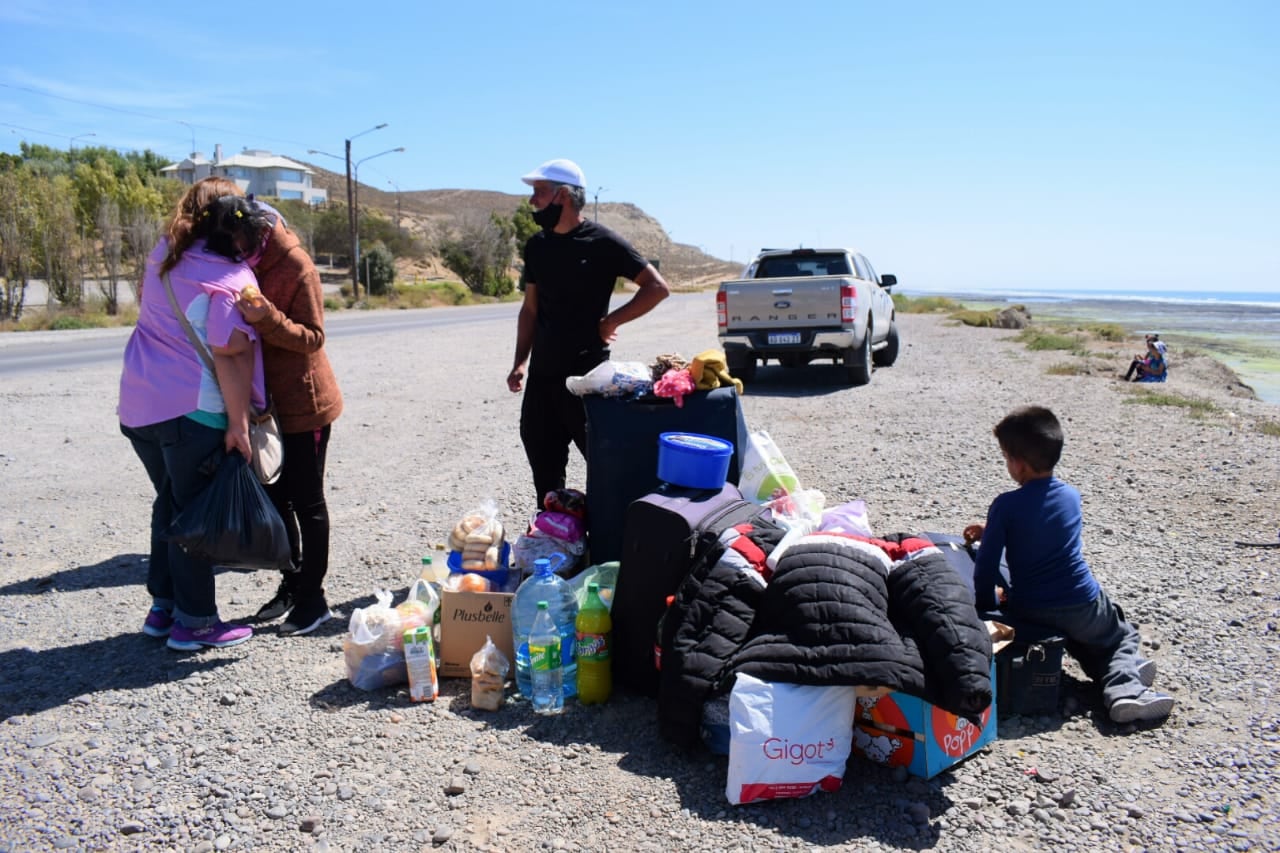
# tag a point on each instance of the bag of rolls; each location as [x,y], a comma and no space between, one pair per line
[489,668]
[478,537]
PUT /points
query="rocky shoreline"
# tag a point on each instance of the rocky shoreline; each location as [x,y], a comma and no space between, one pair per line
[112,742]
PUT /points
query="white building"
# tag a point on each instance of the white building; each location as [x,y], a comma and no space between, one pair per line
[254,171]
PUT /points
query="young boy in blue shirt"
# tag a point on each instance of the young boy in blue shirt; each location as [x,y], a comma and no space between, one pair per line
[1037,529]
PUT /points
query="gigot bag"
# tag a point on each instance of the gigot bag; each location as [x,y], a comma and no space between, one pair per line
[264,428]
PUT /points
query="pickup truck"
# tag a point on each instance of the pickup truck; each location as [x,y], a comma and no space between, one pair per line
[797,305]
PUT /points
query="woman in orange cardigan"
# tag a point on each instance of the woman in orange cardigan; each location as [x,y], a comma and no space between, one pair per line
[289,317]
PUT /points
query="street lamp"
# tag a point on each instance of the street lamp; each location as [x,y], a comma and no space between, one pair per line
[597,201]
[351,215]
[355,201]
[71,148]
[193,137]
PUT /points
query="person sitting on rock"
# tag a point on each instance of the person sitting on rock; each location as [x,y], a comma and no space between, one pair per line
[1150,363]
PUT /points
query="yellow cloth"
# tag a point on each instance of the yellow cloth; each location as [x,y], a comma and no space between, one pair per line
[710,370]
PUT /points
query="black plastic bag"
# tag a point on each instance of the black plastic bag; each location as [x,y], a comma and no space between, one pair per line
[233,523]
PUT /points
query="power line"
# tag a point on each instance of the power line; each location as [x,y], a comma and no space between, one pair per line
[137,114]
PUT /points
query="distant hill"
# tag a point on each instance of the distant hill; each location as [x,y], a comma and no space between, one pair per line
[423,211]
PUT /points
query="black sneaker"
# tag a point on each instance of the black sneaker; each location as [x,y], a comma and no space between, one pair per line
[307,615]
[278,606]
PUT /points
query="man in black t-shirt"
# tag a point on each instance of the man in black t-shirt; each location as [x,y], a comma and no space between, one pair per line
[570,269]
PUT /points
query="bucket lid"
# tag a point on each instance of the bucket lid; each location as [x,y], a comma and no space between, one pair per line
[696,443]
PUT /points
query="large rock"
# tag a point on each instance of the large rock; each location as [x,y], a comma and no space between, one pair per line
[1013,317]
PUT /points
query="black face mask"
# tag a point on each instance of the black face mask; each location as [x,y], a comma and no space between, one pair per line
[547,218]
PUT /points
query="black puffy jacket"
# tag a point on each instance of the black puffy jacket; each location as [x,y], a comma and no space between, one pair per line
[838,610]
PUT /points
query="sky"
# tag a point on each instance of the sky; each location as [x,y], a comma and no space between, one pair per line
[960,146]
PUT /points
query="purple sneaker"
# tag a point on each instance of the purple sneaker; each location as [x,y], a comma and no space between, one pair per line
[158,622]
[219,635]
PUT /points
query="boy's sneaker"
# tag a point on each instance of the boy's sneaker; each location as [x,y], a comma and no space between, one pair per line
[278,606]
[219,635]
[158,622]
[1147,705]
[1147,673]
[307,615]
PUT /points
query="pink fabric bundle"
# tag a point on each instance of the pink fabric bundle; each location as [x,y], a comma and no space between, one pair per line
[675,384]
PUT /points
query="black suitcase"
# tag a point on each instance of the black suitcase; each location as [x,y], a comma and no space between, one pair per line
[663,532]
[622,453]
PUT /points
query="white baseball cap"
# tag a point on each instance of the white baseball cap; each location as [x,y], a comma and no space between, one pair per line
[557,172]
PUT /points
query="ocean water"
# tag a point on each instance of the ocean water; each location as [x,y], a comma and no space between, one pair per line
[1240,329]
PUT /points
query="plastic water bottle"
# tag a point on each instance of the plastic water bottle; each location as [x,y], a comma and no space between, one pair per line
[545,663]
[595,633]
[545,585]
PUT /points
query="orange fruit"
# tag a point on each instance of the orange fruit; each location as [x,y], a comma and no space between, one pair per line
[471,582]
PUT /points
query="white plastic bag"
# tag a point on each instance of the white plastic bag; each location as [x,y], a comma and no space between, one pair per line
[848,517]
[374,647]
[800,513]
[787,740]
[613,379]
[765,472]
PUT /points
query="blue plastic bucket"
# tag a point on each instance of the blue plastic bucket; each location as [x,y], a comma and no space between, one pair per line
[693,460]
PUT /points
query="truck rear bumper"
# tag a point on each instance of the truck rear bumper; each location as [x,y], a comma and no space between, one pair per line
[831,340]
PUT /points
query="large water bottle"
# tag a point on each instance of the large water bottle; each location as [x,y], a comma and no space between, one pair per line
[545,585]
[546,667]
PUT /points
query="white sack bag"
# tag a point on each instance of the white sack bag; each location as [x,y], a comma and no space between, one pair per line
[787,740]
[765,472]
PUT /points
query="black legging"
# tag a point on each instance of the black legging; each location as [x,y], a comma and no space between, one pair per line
[299,497]
[550,418]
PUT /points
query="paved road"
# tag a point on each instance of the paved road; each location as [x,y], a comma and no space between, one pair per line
[23,352]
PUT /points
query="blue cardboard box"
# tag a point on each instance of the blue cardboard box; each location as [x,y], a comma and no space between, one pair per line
[898,730]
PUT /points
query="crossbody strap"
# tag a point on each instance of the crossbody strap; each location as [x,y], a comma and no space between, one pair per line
[206,356]
[201,349]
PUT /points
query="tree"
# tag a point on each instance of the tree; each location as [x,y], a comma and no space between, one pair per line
[525,227]
[17,227]
[332,234]
[58,243]
[480,253]
[377,270]
[141,231]
[110,231]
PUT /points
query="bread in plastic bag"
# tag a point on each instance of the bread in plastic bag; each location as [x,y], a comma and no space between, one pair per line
[373,648]
[478,538]
[489,668]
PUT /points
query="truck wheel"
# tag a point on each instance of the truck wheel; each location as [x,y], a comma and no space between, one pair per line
[889,354]
[857,362]
[742,367]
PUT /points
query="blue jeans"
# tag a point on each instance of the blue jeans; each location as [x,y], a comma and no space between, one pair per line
[174,452]
[1107,647]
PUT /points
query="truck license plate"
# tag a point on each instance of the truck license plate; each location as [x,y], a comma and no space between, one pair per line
[784,337]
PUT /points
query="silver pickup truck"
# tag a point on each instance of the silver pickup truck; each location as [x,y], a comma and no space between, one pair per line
[797,305]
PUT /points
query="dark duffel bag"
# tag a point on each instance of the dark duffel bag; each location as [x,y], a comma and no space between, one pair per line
[1029,672]
[662,534]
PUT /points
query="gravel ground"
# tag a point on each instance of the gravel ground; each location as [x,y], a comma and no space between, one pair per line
[110,741]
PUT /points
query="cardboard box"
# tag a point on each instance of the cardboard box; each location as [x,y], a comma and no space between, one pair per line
[898,730]
[466,618]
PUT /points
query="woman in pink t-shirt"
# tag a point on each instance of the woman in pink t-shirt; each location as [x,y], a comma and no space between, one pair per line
[179,417]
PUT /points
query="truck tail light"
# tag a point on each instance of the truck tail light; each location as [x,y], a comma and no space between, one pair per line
[848,303]
[722,310]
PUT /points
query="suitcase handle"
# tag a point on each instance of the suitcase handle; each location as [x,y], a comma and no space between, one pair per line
[1036,653]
